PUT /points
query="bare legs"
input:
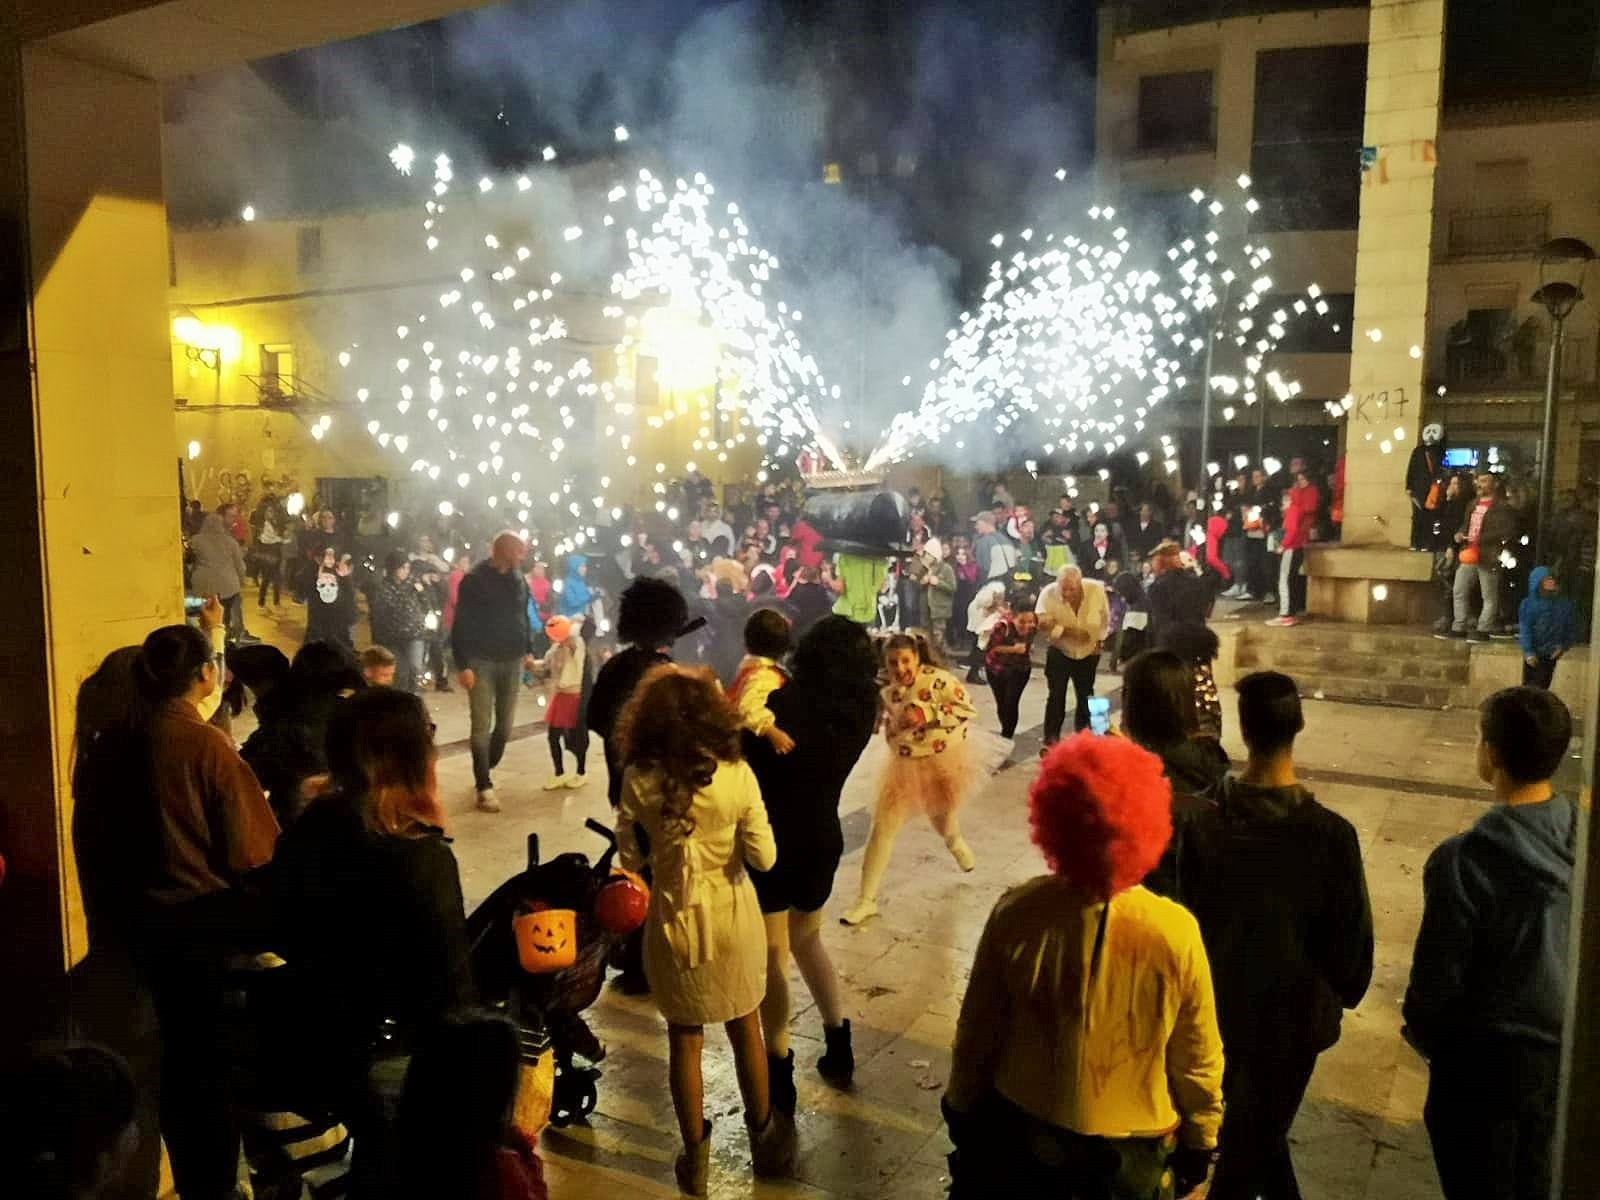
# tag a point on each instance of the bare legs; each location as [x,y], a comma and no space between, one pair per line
[800,934]
[686,1043]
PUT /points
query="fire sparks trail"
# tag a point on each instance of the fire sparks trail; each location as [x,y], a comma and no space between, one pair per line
[1076,334]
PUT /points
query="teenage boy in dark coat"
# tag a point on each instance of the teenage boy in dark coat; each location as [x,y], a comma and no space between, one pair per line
[1276,882]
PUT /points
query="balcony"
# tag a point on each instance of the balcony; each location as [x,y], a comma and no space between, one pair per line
[1517,366]
[1137,16]
[1497,232]
[286,391]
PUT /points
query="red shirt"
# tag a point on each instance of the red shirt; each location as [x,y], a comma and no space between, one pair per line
[1480,510]
[1006,633]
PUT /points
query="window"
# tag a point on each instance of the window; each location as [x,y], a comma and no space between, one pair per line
[1168,217]
[1500,184]
[1311,332]
[1306,157]
[1175,112]
[308,248]
[277,371]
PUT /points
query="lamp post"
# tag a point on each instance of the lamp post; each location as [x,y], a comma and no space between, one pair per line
[1559,297]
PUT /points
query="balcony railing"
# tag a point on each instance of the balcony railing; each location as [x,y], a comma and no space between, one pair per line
[287,391]
[1497,232]
[1135,16]
[1475,368]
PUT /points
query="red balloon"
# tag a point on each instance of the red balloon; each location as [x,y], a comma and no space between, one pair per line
[621,906]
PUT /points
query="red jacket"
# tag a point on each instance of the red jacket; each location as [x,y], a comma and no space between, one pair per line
[1216,527]
[1299,514]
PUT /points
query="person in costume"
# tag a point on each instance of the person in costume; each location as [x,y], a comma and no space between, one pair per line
[567,667]
[925,718]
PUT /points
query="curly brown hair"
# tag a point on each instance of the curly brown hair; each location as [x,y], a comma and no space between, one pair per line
[680,723]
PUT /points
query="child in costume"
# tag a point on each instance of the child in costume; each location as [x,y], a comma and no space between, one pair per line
[565,665]
[926,711]
[767,638]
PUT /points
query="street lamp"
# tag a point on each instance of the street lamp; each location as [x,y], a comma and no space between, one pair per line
[1559,298]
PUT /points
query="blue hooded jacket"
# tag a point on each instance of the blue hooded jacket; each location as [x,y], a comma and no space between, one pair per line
[1491,956]
[1545,624]
[575,593]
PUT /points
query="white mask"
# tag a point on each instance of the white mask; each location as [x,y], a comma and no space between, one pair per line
[327,589]
[1432,434]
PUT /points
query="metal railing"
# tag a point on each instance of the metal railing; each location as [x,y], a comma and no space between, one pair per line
[1477,368]
[1135,16]
[288,391]
[1486,232]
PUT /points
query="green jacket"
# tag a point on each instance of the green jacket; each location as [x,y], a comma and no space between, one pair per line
[862,577]
[941,579]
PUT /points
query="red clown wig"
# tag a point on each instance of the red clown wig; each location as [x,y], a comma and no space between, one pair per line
[1101,812]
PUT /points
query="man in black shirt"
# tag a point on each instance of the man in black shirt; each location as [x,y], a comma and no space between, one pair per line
[493,643]
[1276,882]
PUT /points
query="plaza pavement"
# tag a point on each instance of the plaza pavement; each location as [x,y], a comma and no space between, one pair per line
[1404,778]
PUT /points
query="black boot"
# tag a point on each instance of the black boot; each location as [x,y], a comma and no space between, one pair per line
[780,1083]
[838,1063]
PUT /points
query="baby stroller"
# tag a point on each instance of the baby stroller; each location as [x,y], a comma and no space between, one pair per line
[539,947]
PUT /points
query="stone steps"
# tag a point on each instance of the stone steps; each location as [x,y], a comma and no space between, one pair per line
[1404,667]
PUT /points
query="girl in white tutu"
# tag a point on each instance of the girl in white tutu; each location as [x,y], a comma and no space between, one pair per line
[926,711]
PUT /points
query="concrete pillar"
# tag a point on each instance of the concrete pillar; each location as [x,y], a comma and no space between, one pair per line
[1393,257]
[89,519]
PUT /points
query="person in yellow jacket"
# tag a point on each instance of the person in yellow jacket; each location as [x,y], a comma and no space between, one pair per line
[1087,1059]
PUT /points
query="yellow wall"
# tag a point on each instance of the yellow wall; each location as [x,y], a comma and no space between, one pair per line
[108,491]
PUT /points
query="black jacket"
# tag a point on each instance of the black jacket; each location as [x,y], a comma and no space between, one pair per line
[373,927]
[1179,603]
[491,622]
[613,687]
[1491,955]
[801,789]
[1276,882]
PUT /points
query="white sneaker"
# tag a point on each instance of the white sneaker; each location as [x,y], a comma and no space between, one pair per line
[962,853]
[555,783]
[576,781]
[860,912]
[487,801]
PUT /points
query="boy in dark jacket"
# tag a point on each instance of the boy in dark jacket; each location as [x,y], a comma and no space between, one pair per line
[1276,882]
[1489,974]
[1547,627]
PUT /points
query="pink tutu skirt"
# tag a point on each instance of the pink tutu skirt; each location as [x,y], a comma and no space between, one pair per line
[935,785]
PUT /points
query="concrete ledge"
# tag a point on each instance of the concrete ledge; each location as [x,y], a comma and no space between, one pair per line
[1377,563]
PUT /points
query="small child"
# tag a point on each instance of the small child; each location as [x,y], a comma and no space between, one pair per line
[565,667]
[1547,628]
[926,711]
[767,638]
[378,666]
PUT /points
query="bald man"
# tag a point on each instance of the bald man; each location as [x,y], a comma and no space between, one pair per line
[1075,616]
[493,643]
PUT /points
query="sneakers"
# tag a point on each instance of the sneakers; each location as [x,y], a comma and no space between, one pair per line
[1504,635]
[574,782]
[859,913]
[961,852]
[488,801]
[1448,635]
[555,783]
[693,1167]
[1477,638]
[837,1066]
[1284,622]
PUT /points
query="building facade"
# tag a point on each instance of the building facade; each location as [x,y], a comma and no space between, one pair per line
[1199,93]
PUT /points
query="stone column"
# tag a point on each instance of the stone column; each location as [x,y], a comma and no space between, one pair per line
[89,521]
[1393,256]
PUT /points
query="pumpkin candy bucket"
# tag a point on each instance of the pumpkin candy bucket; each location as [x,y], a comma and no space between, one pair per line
[547,939]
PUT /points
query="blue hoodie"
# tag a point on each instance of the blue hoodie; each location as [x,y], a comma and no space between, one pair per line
[1546,625]
[575,593]
[1491,956]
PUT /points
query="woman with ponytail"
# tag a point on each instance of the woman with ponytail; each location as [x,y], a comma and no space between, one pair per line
[213,829]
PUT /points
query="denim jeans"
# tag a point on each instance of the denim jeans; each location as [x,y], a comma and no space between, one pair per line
[493,705]
[1487,580]
[410,664]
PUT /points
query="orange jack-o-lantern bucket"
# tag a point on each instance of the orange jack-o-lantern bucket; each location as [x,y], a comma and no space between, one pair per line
[547,939]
